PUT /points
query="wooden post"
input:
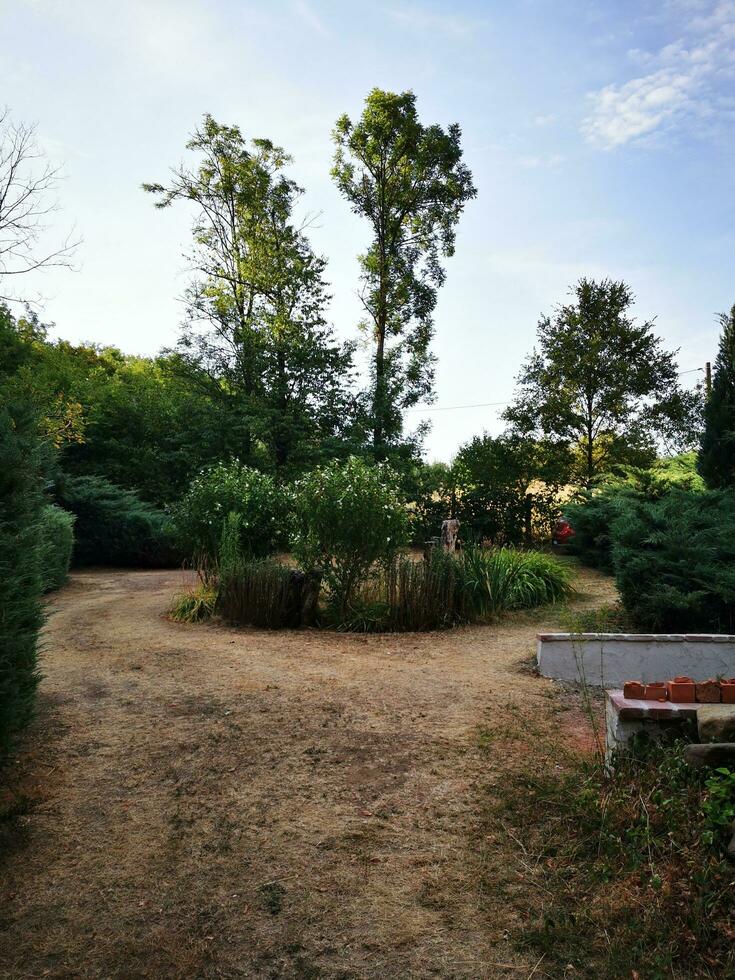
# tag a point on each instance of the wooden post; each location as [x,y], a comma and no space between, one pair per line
[708,378]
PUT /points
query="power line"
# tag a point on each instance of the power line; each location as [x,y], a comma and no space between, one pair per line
[453,408]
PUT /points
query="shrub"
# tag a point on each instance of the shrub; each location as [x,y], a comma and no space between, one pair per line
[231,488]
[403,595]
[114,526]
[504,579]
[262,592]
[674,561]
[56,545]
[347,516]
[592,519]
[445,590]
[21,502]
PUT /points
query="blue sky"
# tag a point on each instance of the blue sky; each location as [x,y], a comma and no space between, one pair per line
[600,135]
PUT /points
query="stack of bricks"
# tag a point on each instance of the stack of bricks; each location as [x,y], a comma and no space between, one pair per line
[682,690]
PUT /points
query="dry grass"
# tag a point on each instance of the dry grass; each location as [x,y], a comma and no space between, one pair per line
[198,801]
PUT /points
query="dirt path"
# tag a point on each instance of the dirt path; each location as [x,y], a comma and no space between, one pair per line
[205,802]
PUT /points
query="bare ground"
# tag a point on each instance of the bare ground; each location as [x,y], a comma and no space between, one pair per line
[198,801]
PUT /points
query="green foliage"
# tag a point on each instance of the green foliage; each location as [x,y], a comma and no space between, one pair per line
[22,467]
[603,384]
[262,592]
[114,526]
[507,487]
[503,578]
[224,489]
[592,518]
[55,546]
[674,561]
[593,513]
[446,589]
[195,605]
[717,449]
[629,878]
[405,595]
[258,344]
[408,180]
[347,517]
[431,489]
[718,807]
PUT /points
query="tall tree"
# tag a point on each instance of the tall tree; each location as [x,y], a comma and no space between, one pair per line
[716,461]
[603,384]
[410,183]
[27,199]
[257,340]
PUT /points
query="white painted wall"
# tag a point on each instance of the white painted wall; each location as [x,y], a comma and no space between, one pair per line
[610,659]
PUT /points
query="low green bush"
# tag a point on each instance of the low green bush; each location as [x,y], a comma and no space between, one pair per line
[347,517]
[674,561]
[231,488]
[504,578]
[56,545]
[114,526]
[21,503]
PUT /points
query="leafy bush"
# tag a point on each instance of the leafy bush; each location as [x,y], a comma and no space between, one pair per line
[114,526]
[56,545]
[674,561]
[504,578]
[592,516]
[347,516]
[592,519]
[21,467]
[195,605]
[231,488]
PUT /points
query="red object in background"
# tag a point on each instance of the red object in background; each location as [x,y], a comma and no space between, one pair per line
[727,689]
[563,532]
[656,691]
[682,690]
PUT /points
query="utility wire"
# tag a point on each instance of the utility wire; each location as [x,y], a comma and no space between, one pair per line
[453,408]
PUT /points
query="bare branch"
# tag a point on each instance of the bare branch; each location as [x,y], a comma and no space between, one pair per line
[27,199]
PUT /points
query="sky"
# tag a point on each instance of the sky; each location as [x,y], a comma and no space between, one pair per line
[601,138]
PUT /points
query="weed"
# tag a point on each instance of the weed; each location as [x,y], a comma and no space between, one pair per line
[195,605]
[627,872]
[272,893]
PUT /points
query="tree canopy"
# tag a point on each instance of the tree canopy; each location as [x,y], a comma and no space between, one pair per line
[409,181]
[717,451]
[603,384]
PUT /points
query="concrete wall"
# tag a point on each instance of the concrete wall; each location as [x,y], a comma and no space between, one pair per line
[610,659]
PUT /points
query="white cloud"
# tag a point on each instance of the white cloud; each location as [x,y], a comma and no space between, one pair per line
[683,81]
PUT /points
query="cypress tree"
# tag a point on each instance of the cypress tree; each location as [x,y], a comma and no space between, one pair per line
[21,500]
[716,461]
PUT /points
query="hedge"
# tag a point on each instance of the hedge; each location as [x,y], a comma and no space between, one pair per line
[55,546]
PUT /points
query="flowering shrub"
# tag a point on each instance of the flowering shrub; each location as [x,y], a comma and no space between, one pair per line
[347,516]
[231,488]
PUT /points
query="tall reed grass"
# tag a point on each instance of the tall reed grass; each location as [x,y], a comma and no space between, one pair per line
[445,590]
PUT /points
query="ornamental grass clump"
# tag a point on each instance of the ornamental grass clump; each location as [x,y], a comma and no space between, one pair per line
[503,579]
[347,517]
